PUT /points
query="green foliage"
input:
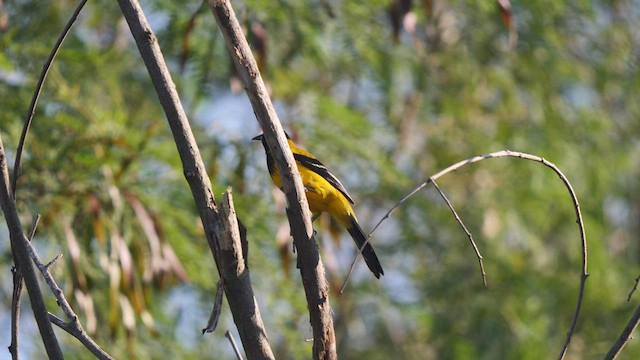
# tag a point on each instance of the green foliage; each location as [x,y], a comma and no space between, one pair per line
[101,168]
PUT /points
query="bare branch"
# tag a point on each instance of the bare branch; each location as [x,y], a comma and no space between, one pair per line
[625,336]
[464,228]
[576,206]
[233,344]
[17,294]
[237,284]
[19,246]
[15,309]
[36,94]
[579,221]
[635,286]
[73,327]
[311,268]
[193,166]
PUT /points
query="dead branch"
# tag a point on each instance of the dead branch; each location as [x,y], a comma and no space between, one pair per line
[192,163]
[19,246]
[73,326]
[466,231]
[576,206]
[311,268]
[624,338]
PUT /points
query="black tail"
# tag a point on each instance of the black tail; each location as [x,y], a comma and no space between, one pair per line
[367,253]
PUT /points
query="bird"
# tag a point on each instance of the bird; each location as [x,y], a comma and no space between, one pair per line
[325,193]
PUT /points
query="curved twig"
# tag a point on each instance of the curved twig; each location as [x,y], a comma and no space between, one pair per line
[36,94]
[574,199]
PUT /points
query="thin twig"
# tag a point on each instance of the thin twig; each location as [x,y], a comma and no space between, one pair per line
[73,327]
[625,336]
[635,286]
[233,345]
[36,94]
[15,309]
[17,294]
[464,228]
[386,216]
[576,206]
[52,262]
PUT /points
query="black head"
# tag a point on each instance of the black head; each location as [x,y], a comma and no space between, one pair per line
[261,137]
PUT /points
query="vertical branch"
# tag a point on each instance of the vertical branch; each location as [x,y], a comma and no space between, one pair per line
[15,298]
[15,308]
[311,268]
[194,170]
[19,247]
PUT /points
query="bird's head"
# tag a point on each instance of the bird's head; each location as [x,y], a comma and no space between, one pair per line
[261,137]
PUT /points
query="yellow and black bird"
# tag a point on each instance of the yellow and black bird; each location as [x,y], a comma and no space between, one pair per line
[325,193]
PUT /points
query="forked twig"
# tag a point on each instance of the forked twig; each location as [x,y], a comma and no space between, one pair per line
[466,231]
[574,199]
[73,326]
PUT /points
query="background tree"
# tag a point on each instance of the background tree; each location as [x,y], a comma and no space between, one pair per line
[385,108]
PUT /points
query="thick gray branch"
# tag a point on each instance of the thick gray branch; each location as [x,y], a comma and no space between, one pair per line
[252,331]
[311,268]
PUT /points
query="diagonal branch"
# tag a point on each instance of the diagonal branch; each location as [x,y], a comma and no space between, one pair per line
[193,166]
[19,246]
[625,336]
[311,268]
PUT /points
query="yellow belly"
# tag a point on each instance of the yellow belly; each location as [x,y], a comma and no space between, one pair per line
[321,195]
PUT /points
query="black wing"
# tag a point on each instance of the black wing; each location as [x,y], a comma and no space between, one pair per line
[317,167]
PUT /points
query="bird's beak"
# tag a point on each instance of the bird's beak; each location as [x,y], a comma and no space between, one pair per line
[258,138]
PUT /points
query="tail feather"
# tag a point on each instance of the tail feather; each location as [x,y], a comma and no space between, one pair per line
[368,254]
